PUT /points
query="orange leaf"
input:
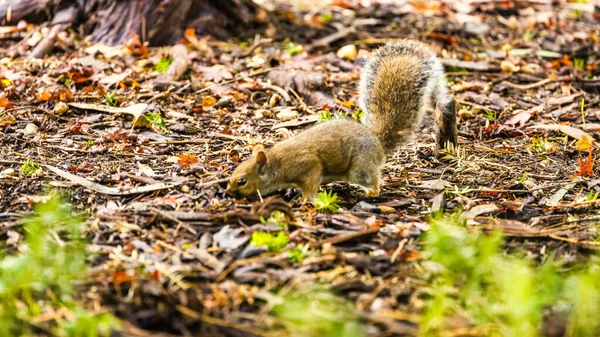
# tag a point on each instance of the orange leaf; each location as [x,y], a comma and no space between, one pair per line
[586,169]
[5,103]
[410,255]
[65,95]
[348,104]
[208,102]
[186,160]
[584,144]
[190,34]
[44,96]
[120,277]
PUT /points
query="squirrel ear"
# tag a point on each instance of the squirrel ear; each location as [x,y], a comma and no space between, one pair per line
[261,157]
[257,148]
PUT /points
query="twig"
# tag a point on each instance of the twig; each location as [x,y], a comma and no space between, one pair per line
[345,237]
[234,79]
[341,33]
[304,106]
[174,219]
[280,90]
[527,86]
[200,141]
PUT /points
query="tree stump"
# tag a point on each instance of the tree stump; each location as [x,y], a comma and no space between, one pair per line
[160,22]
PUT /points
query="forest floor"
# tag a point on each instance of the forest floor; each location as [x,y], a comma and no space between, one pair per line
[143,155]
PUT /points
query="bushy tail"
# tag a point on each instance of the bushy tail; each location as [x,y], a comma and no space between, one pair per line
[400,85]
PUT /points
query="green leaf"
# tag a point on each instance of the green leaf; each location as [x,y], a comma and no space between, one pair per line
[272,242]
[163,64]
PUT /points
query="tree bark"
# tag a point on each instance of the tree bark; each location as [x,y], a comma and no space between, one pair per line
[160,22]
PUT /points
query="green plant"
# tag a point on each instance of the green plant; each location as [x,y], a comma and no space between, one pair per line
[523,178]
[583,110]
[41,278]
[539,145]
[272,242]
[326,18]
[90,143]
[327,202]
[358,114]
[491,115]
[501,295]
[65,80]
[292,48]
[110,98]
[313,311]
[324,115]
[591,196]
[156,120]
[277,217]
[579,63]
[297,254]
[30,167]
[163,64]
[460,192]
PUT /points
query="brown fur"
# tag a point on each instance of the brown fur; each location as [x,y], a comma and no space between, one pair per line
[399,87]
[337,150]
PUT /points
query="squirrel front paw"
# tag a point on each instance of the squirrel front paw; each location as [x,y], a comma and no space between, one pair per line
[372,193]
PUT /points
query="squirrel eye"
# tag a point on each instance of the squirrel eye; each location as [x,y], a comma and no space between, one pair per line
[242,182]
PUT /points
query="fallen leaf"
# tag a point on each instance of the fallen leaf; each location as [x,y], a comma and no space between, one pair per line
[586,169]
[478,210]
[569,130]
[5,103]
[557,197]
[146,170]
[186,160]
[7,119]
[44,95]
[520,118]
[208,102]
[584,144]
[136,110]
[216,73]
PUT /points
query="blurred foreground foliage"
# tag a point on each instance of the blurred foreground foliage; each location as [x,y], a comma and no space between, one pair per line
[37,285]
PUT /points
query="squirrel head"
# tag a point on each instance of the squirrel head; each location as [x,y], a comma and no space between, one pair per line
[249,176]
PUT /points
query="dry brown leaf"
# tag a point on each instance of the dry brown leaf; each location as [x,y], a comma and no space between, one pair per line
[569,130]
[521,118]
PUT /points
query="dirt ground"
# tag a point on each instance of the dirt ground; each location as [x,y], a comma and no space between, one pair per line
[170,249]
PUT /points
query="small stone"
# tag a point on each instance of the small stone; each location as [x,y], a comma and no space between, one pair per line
[287,114]
[60,108]
[386,209]
[508,67]
[185,189]
[347,52]
[31,129]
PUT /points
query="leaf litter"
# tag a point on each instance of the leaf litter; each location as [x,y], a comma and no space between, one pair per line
[175,253]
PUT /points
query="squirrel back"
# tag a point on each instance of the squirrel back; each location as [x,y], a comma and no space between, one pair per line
[399,86]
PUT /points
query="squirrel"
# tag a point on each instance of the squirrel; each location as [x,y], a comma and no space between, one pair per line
[399,86]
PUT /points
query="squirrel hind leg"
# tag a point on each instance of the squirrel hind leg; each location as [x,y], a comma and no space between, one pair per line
[447,129]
